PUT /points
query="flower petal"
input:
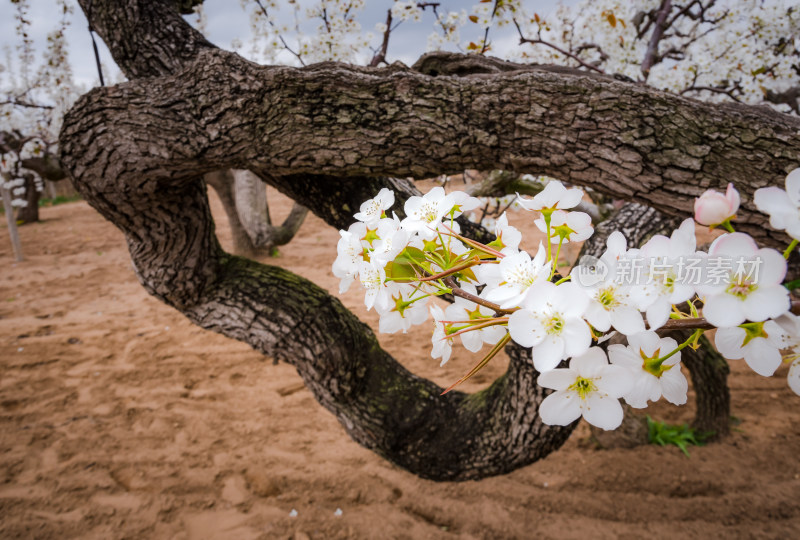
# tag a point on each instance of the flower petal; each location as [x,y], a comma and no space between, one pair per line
[658,313]
[793,186]
[547,354]
[626,320]
[794,377]
[526,328]
[674,386]
[603,411]
[724,310]
[762,357]
[766,302]
[729,342]
[576,336]
[771,267]
[560,408]
[590,364]
[557,379]
[616,381]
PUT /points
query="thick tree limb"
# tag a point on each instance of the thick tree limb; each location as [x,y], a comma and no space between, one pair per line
[627,141]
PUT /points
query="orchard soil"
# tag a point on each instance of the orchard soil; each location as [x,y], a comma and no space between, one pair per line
[120,419]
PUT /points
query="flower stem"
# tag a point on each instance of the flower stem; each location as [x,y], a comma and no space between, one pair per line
[549,244]
[475,244]
[471,327]
[555,262]
[696,334]
[790,249]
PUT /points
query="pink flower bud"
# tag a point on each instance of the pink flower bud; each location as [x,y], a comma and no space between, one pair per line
[713,208]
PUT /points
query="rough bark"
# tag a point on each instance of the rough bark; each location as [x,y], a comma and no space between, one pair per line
[709,372]
[628,141]
[324,135]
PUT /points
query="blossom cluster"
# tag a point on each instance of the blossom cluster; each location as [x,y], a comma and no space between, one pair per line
[502,293]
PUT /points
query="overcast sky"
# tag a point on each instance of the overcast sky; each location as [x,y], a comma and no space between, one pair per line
[226,22]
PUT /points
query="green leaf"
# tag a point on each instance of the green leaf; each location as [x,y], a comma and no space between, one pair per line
[792,285]
[400,272]
[680,435]
[411,255]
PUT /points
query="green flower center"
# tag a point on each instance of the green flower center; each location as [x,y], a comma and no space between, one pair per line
[654,364]
[741,288]
[583,387]
[607,298]
[554,324]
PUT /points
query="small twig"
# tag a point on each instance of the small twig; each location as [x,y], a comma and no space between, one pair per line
[458,291]
[280,36]
[380,56]
[651,57]
[94,45]
[485,45]
[539,40]
[27,104]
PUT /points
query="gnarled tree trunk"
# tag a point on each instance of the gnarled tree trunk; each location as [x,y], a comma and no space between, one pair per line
[327,135]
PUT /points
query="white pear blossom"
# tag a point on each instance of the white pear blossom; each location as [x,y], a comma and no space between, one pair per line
[391,240]
[610,303]
[511,281]
[508,237]
[374,209]
[408,307]
[551,322]
[424,214]
[590,387]
[554,197]
[790,324]
[462,202]
[758,343]
[373,279]
[652,376]
[442,347]
[755,295]
[567,226]
[783,207]
[713,208]
[664,287]
[350,254]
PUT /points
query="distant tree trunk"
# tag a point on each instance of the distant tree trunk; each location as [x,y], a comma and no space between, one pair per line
[225,186]
[709,371]
[30,212]
[12,224]
[244,197]
[325,135]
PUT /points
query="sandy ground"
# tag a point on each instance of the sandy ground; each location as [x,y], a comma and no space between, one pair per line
[120,419]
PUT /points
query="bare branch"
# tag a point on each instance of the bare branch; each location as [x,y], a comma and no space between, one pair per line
[380,56]
[539,40]
[651,57]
